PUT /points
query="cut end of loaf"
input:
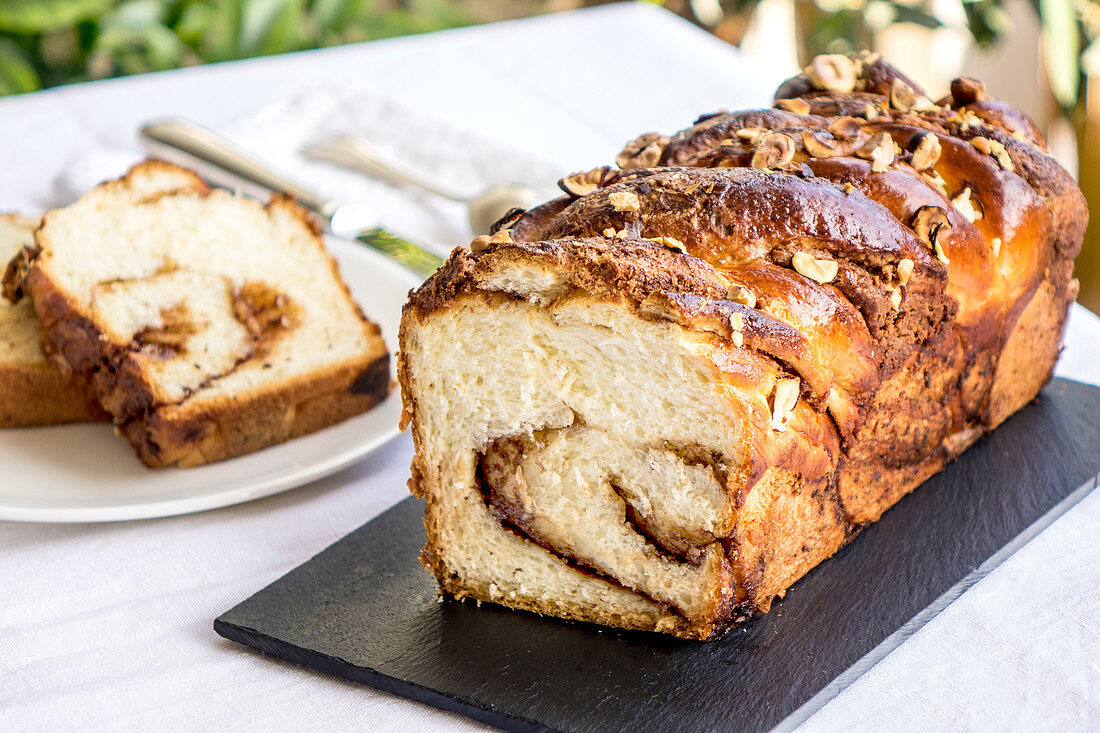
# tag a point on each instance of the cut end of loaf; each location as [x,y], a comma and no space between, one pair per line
[32,391]
[588,461]
[210,325]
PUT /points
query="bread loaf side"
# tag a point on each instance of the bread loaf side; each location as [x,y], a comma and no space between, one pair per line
[661,399]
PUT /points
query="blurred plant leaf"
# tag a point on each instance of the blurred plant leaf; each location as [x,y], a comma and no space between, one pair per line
[17,74]
[1062,49]
[133,39]
[271,26]
[907,14]
[31,17]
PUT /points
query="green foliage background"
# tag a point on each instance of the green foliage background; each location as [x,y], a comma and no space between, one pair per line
[49,42]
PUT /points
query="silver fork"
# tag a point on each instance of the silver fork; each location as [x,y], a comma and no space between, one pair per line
[482,208]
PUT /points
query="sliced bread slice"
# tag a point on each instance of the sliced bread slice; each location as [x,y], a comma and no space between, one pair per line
[32,391]
[211,325]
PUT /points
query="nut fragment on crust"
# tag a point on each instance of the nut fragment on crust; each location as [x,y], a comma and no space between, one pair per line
[926,153]
[624,201]
[773,150]
[879,150]
[669,243]
[479,243]
[832,73]
[966,205]
[845,128]
[996,242]
[796,106]
[904,98]
[905,270]
[822,271]
[929,223]
[737,325]
[996,149]
[871,112]
[783,401]
[508,220]
[936,180]
[612,234]
[965,90]
[817,148]
[643,152]
[741,294]
[585,182]
[940,255]
[895,297]
[750,133]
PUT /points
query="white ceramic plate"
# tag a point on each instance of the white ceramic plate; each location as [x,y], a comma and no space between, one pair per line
[85,473]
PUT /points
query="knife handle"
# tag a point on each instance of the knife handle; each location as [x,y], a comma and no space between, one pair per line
[221,162]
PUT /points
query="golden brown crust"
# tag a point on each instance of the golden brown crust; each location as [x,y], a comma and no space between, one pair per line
[908,261]
[40,394]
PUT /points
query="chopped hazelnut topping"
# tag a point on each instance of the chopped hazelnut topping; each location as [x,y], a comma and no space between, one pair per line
[585,182]
[996,149]
[796,106]
[879,150]
[965,90]
[737,338]
[750,133]
[936,180]
[895,299]
[848,188]
[773,150]
[501,237]
[871,112]
[669,243]
[783,401]
[966,205]
[940,254]
[926,153]
[905,270]
[643,152]
[737,322]
[624,201]
[609,232]
[741,294]
[903,98]
[996,242]
[929,223]
[822,271]
[815,147]
[832,73]
[479,243]
[845,128]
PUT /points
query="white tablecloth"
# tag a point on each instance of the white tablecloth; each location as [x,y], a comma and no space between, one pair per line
[106,627]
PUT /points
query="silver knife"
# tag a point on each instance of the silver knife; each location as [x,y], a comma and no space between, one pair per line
[223,164]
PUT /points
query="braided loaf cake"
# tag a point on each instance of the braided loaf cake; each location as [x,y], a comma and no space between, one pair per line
[658,401]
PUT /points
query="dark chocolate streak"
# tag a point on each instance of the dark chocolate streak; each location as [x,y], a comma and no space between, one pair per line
[507,519]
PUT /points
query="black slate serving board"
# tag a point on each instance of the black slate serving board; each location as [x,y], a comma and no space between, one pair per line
[364,609]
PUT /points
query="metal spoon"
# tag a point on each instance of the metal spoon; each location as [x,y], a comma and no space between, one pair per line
[483,208]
